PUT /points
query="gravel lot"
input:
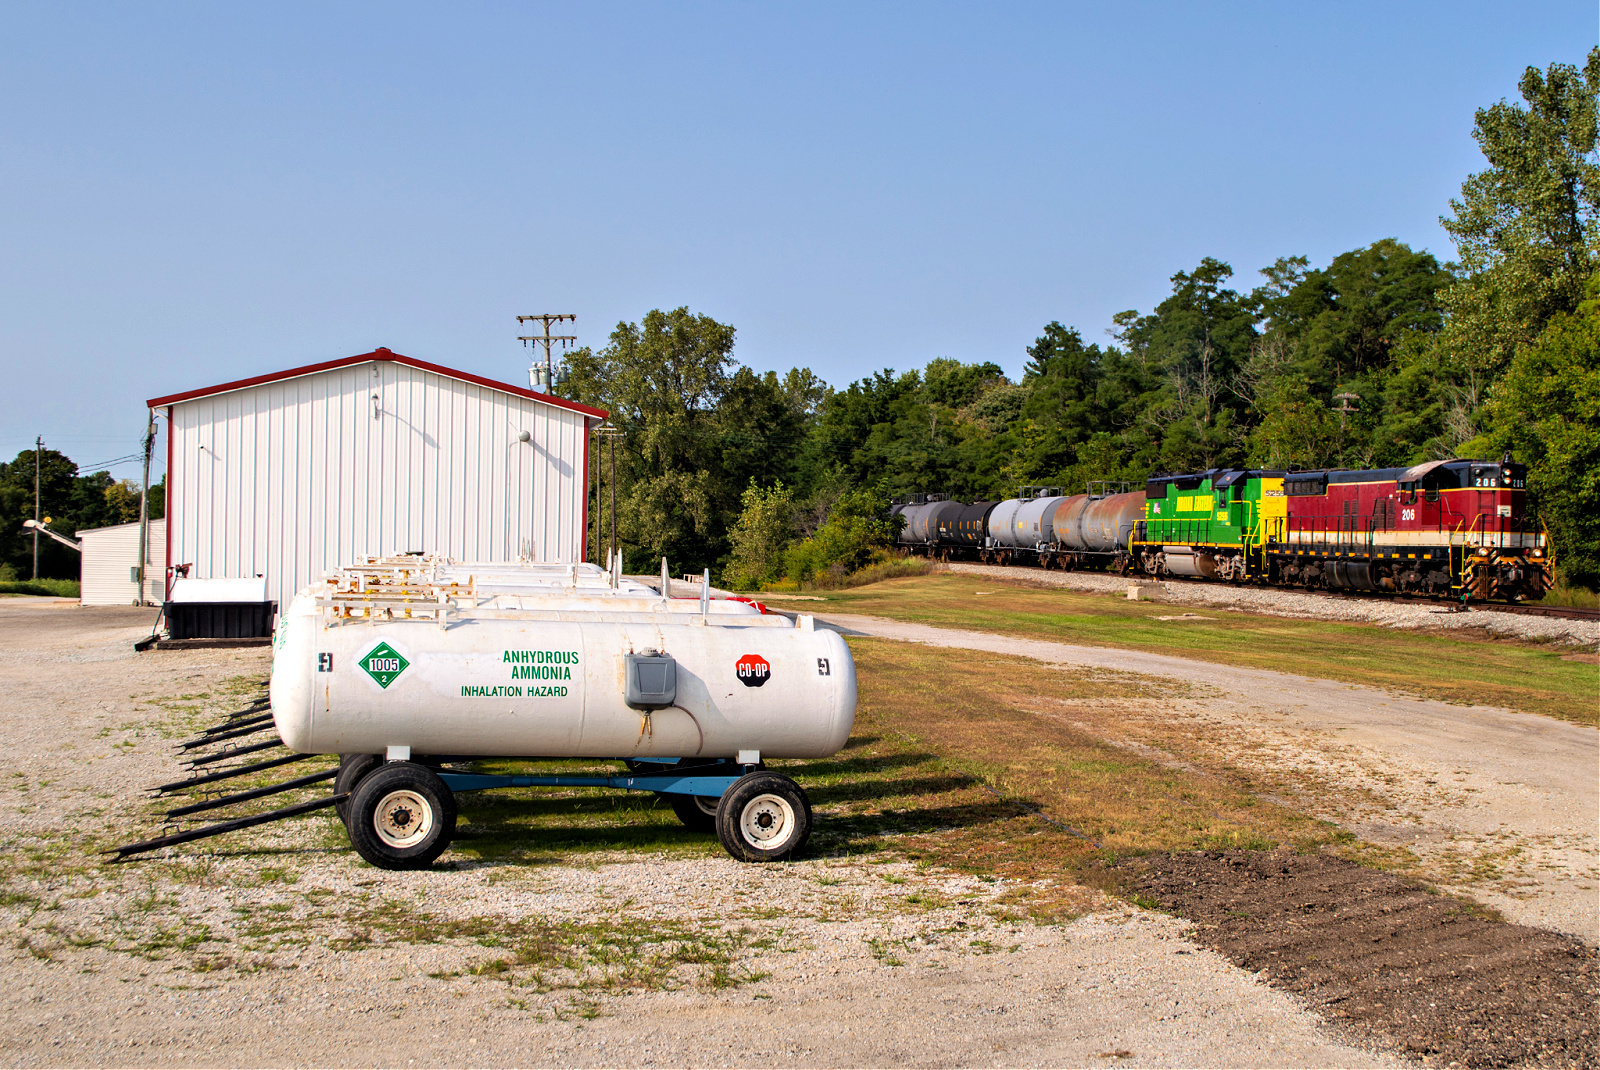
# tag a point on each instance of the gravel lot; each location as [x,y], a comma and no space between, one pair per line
[278,946]
[1313,606]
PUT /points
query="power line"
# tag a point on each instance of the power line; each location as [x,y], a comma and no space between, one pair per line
[547,380]
[111,463]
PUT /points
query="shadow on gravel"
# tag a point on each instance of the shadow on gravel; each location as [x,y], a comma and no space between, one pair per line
[1386,958]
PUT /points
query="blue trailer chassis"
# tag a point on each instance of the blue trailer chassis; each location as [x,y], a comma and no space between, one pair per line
[690,782]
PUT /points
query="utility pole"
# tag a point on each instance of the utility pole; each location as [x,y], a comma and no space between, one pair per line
[544,378]
[604,433]
[144,507]
[1344,407]
[38,445]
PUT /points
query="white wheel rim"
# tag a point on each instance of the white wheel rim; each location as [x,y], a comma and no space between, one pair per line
[707,804]
[766,821]
[403,819]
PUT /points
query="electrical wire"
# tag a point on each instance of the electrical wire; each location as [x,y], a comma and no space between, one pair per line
[99,465]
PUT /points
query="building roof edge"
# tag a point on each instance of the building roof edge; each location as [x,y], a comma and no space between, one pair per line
[381,353]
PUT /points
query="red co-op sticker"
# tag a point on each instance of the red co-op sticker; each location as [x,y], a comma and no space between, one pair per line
[753,670]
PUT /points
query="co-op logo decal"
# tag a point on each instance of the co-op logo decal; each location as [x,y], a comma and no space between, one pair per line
[384,664]
[753,670]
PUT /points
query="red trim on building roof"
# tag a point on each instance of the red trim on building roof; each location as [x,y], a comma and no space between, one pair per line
[378,354]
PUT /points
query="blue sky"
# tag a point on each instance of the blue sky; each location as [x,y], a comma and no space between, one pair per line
[195,193]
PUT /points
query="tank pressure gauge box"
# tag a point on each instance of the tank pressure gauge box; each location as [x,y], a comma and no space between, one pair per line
[652,680]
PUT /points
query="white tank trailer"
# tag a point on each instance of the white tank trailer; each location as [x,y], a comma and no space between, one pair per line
[407,667]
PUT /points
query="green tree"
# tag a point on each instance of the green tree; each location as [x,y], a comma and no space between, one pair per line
[858,530]
[1342,329]
[1077,394]
[123,501]
[1298,431]
[695,429]
[1524,227]
[760,536]
[60,497]
[1189,352]
[1546,410]
[662,380]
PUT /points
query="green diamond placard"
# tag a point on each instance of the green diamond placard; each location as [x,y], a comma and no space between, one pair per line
[384,664]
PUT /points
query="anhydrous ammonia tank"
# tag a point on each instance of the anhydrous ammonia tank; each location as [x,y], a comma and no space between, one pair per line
[528,665]
[1108,523]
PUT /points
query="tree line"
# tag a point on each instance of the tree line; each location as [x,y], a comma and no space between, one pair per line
[72,500]
[1384,356]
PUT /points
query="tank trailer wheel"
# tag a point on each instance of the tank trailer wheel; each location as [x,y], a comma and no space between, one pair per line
[353,769]
[402,816]
[763,817]
[697,812]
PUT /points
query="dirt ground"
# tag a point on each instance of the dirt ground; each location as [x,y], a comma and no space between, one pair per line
[1387,959]
[1500,806]
[283,948]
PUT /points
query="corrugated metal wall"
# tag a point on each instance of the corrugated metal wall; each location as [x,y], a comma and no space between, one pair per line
[109,554]
[293,478]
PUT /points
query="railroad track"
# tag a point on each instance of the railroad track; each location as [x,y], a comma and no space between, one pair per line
[1445,604]
[1564,612]
[1567,612]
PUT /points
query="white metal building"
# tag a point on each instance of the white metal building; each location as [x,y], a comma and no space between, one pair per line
[291,475]
[110,555]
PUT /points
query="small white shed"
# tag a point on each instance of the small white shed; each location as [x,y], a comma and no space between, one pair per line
[291,475]
[110,556]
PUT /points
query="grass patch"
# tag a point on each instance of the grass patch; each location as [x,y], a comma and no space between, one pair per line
[1570,597]
[593,957]
[996,765]
[57,588]
[1523,676]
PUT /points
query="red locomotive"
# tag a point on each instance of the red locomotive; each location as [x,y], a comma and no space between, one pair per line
[1456,527]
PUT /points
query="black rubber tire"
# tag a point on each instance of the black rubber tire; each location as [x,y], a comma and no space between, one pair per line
[394,798]
[697,812]
[353,769]
[764,817]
